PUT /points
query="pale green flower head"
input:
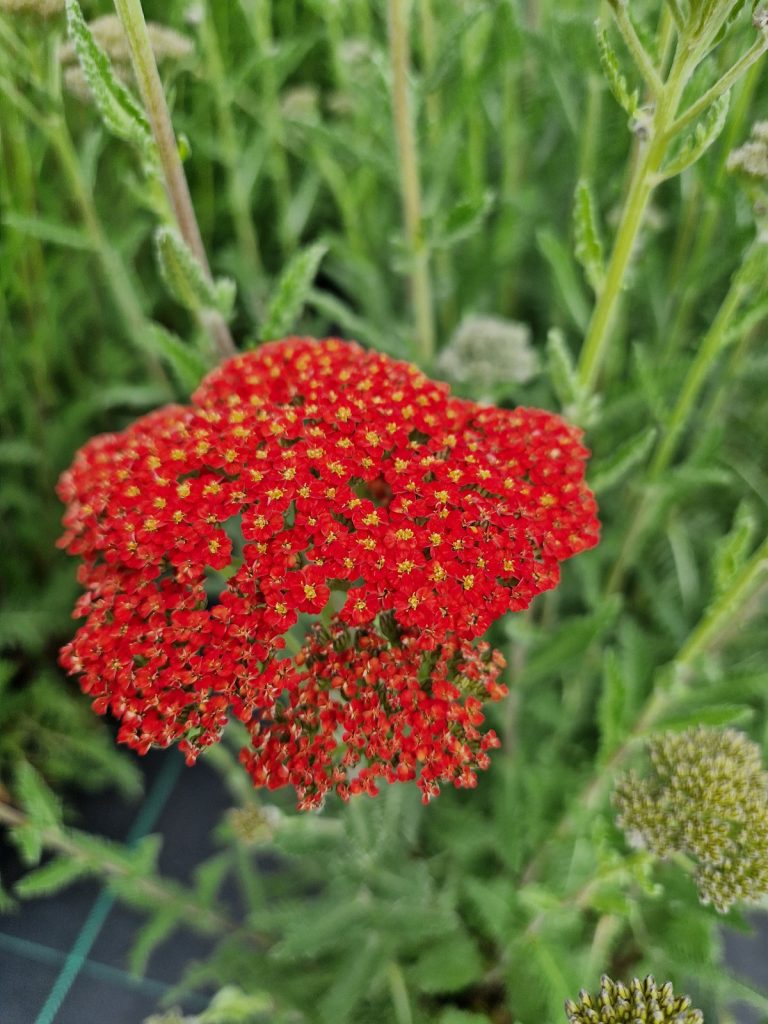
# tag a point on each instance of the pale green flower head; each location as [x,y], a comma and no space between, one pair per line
[706,797]
[635,1003]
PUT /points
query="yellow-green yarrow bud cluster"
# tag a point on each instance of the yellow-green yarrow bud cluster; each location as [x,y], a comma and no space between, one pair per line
[707,798]
[636,1003]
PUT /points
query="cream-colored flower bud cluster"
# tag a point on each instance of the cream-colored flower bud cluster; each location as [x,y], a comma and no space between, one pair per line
[42,8]
[487,351]
[707,798]
[751,159]
[636,1003]
[167,45]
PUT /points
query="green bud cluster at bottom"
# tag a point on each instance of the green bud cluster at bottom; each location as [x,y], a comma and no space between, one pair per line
[636,1003]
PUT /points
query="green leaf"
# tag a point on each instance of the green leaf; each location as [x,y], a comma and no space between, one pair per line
[650,383]
[589,246]
[557,651]
[566,276]
[615,469]
[697,142]
[731,551]
[7,903]
[209,877]
[616,80]
[448,965]
[706,714]
[186,279]
[291,292]
[36,798]
[612,705]
[454,1016]
[121,113]
[186,364]
[463,220]
[149,937]
[50,878]
[562,370]
[352,983]
[48,231]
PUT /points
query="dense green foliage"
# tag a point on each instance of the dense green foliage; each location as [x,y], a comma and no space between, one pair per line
[500,903]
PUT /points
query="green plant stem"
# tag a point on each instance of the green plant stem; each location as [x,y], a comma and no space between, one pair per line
[65,842]
[410,184]
[716,621]
[723,84]
[708,352]
[399,993]
[636,48]
[237,189]
[258,14]
[153,96]
[642,184]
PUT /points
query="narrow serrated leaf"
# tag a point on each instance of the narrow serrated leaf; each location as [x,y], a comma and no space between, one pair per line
[7,902]
[50,878]
[712,715]
[448,965]
[732,550]
[650,384]
[187,365]
[350,985]
[463,220]
[209,877]
[36,798]
[186,279]
[612,705]
[291,292]
[697,142]
[560,259]
[149,937]
[562,370]
[48,231]
[588,244]
[616,467]
[121,113]
[616,80]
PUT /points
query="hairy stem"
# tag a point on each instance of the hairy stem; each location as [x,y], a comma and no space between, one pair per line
[153,96]
[410,184]
[641,186]
[162,893]
[237,189]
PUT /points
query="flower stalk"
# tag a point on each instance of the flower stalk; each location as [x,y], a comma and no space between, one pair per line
[410,183]
[175,180]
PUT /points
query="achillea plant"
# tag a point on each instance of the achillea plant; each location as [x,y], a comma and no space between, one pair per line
[640,1002]
[707,798]
[316,478]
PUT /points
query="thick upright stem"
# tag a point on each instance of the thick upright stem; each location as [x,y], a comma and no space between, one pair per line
[151,89]
[421,283]
[640,189]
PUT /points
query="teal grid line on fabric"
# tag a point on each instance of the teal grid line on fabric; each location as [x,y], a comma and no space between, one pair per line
[36,951]
[76,958]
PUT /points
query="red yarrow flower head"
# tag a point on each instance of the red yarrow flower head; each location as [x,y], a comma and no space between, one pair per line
[305,478]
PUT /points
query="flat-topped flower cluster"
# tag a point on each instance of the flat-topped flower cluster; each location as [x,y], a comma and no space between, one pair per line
[316,478]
